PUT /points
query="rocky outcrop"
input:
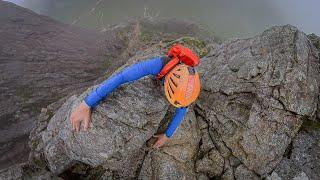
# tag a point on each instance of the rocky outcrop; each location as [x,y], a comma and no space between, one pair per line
[255,93]
[256,116]
[121,126]
[42,60]
[118,131]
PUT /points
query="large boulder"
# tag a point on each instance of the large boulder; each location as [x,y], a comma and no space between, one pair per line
[120,127]
[255,92]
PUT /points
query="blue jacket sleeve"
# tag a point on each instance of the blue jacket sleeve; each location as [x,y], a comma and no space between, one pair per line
[149,67]
[175,122]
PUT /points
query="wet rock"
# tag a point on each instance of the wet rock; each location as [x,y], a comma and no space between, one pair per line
[255,92]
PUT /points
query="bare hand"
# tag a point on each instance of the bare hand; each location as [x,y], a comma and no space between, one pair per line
[81,113]
[162,138]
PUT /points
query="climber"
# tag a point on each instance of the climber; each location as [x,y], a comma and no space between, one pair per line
[181,84]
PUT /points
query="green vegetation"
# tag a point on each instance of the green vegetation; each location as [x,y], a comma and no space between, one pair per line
[34,144]
[309,125]
[24,92]
[146,36]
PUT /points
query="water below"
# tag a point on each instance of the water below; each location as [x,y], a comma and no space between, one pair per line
[226,18]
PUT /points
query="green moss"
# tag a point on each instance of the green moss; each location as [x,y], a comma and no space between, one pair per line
[24,92]
[50,115]
[167,40]
[309,125]
[145,36]
[34,145]
[106,64]
[40,163]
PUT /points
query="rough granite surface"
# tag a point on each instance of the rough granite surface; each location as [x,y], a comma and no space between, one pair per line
[258,97]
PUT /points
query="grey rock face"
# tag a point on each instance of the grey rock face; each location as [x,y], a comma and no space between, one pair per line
[212,163]
[315,40]
[242,173]
[255,95]
[304,160]
[176,159]
[18,172]
[43,60]
[120,127]
[12,173]
[255,92]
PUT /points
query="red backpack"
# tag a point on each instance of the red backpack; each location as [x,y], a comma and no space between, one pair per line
[179,53]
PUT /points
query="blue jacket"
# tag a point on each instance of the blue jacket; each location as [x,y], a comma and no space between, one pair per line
[136,71]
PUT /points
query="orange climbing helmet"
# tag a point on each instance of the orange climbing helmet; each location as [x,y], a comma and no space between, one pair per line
[182,85]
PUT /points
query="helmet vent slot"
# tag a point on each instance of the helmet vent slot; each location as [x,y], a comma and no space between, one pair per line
[169,94]
[171,88]
[176,75]
[175,84]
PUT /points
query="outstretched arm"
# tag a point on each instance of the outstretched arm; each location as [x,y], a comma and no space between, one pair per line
[173,125]
[175,122]
[131,73]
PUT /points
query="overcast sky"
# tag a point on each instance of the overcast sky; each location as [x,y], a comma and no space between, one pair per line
[228,18]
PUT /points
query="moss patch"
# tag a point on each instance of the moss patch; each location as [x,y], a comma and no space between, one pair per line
[309,125]
[24,92]
[34,145]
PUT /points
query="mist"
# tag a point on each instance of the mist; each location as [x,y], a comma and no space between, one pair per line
[227,19]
